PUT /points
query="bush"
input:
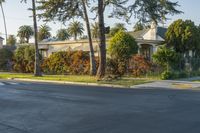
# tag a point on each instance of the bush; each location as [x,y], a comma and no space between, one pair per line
[121,47]
[5,59]
[166,75]
[116,67]
[24,59]
[167,58]
[67,62]
[140,66]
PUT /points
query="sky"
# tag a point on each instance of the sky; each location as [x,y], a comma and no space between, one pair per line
[18,15]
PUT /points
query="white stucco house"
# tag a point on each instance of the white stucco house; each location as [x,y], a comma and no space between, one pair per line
[148,41]
[1,42]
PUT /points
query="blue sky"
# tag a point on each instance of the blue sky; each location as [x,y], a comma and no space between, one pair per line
[17,15]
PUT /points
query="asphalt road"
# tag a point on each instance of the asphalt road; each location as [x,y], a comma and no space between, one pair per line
[50,108]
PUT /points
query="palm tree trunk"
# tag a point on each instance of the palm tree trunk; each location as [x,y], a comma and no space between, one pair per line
[92,57]
[102,45]
[4,19]
[37,71]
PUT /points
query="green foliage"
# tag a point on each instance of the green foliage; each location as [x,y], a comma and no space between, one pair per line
[166,75]
[183,36]
[153,10]
[5,59]
[117,28]
[25,33]
[122,46]
[95,30]
[140,66]
[62,35]
[44,32]
[139,26]
[24,58]
[67,62]
[75,29]
[116,66]
[11,41]
[166,57]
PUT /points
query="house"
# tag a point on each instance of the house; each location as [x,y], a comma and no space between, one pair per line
[148,41]
[1,42]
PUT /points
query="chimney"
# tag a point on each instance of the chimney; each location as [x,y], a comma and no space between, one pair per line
[153,30]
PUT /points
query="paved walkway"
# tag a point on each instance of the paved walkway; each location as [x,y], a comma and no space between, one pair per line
[170,84]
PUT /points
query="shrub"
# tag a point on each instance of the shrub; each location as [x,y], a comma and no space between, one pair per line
[57,63]
[5,59]
[24,58]
[115,67]
[121,47]
[67,62]
[140,66]
[167,58]
[80,63]
[166,75]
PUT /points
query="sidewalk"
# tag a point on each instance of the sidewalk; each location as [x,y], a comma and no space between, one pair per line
[170,84]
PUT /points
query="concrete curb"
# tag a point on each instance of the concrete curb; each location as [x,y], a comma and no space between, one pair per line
[69,83]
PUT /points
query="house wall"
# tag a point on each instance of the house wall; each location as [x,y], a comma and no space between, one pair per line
[48,48]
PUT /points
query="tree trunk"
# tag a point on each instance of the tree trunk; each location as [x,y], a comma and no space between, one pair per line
[4,19]
[102,44]
[92,57]
[37,71]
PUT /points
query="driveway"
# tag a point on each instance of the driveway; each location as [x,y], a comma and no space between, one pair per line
[52,108]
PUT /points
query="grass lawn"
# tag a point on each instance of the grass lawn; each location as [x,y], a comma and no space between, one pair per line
[76,78]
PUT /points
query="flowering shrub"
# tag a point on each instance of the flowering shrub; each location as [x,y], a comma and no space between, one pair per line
[67,62]
[140,66]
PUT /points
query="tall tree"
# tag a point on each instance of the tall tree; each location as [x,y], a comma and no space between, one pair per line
[44,32]
[25,32]
[183,36]
[66,10]
[153,10]
[102,38]
[62,34]
[75,29]
[4,19]
[37,70]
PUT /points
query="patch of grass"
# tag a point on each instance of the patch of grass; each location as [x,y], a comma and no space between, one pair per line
[182,86]
[126,82]
[75,78]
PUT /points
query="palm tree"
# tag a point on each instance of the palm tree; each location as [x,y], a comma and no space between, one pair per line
[95,30]
[4,19]
[44,32]
[25,32]
[116,28]
[75,29]
[62,34]
[37,71]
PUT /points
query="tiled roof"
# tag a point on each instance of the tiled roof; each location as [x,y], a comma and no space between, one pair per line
[161,32]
